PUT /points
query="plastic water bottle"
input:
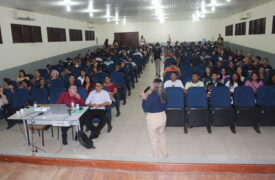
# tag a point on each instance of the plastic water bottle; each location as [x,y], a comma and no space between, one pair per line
[72,104]
[35,104]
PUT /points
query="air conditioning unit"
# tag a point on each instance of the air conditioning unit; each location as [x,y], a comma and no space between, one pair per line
[23,15]
[90,26]
[245,16]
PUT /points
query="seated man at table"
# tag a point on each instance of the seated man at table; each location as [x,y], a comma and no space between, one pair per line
[67,98]
[174,82]
[97,100]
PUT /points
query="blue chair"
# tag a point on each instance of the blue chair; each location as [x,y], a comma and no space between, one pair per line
[222,113]
[175,107]
[246,110]
[266,101]
[82,92]
[55,93]
[20,98]
[57,84]
[99,77]
[8,94]
[40,96]
[197,108]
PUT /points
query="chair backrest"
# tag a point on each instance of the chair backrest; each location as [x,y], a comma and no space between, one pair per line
[244,97]
[8,94]
[118,78]
[40,96]
[266,96]
[99,77]
[196,97]
[20,97]
[57,84]
[82,92]
[175,97]
[220,97]
[55,93]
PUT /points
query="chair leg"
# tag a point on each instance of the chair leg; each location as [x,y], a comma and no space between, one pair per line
[209,130]
[42,137]
[73,132]
[58,133]
[38,132]
[233,128]
[52,131]
[257,128]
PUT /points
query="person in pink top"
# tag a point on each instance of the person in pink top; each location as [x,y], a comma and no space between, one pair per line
[255,82]
[223,75]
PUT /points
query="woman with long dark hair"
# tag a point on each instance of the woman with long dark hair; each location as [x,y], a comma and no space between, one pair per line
[235,81]
[155,105]
[255,83]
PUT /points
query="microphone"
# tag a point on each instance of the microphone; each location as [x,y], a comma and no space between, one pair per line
[147,89]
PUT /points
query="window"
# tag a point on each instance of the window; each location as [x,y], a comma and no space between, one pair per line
[25,33]
[229,30]
[273,26]
[56,34]
[89,35]
[1,41]
[240,29]
[76,35]
[257,26]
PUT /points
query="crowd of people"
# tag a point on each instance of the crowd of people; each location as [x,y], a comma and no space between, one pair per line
[211,64]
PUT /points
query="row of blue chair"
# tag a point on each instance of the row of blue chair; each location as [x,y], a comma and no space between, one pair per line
[198,110]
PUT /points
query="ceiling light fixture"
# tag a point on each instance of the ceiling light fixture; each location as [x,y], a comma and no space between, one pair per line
[213,8]
[91,8]
[68,5]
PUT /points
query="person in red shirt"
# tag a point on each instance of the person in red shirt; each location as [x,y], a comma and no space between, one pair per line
[67,98]
[112,89]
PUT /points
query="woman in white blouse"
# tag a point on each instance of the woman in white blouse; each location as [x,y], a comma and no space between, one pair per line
[234,82]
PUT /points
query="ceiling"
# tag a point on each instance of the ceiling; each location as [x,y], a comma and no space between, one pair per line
[131,10]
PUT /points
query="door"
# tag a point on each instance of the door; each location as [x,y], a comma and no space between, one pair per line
[127,39]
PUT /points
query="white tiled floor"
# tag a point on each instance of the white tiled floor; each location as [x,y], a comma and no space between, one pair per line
[129,141]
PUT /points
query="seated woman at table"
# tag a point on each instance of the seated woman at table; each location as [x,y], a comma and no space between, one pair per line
[66,98]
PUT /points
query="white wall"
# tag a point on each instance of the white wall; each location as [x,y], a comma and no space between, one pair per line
[157,32]
[12,55]
[263,42]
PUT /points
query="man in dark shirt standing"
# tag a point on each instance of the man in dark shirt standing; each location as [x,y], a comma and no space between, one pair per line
[157,58]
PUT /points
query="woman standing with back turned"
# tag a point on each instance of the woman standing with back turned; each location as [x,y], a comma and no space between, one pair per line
[154,105]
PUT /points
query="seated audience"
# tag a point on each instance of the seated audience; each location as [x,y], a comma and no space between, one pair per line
[54,75]
[207,73]
[172,67]
[266,66]
[223,75]
[262,73]
[22,76]
[25,84]
[36,77]
[82,76]
[71,80]
[271,81]
[174,82]
[7,84]
[88,84]
[194,83]
[255,82]
[97,100]
[108,61]
[112,89]
[42,84]
[240,72]
[213,83]
[234,82]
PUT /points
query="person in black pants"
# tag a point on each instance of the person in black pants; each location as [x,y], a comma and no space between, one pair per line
[97,100]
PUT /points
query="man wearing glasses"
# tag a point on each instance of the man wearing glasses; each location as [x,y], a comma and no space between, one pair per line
[97,100]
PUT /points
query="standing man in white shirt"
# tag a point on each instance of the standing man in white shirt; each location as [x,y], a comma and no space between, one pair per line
[174,82]
[142,41]
[97,100]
